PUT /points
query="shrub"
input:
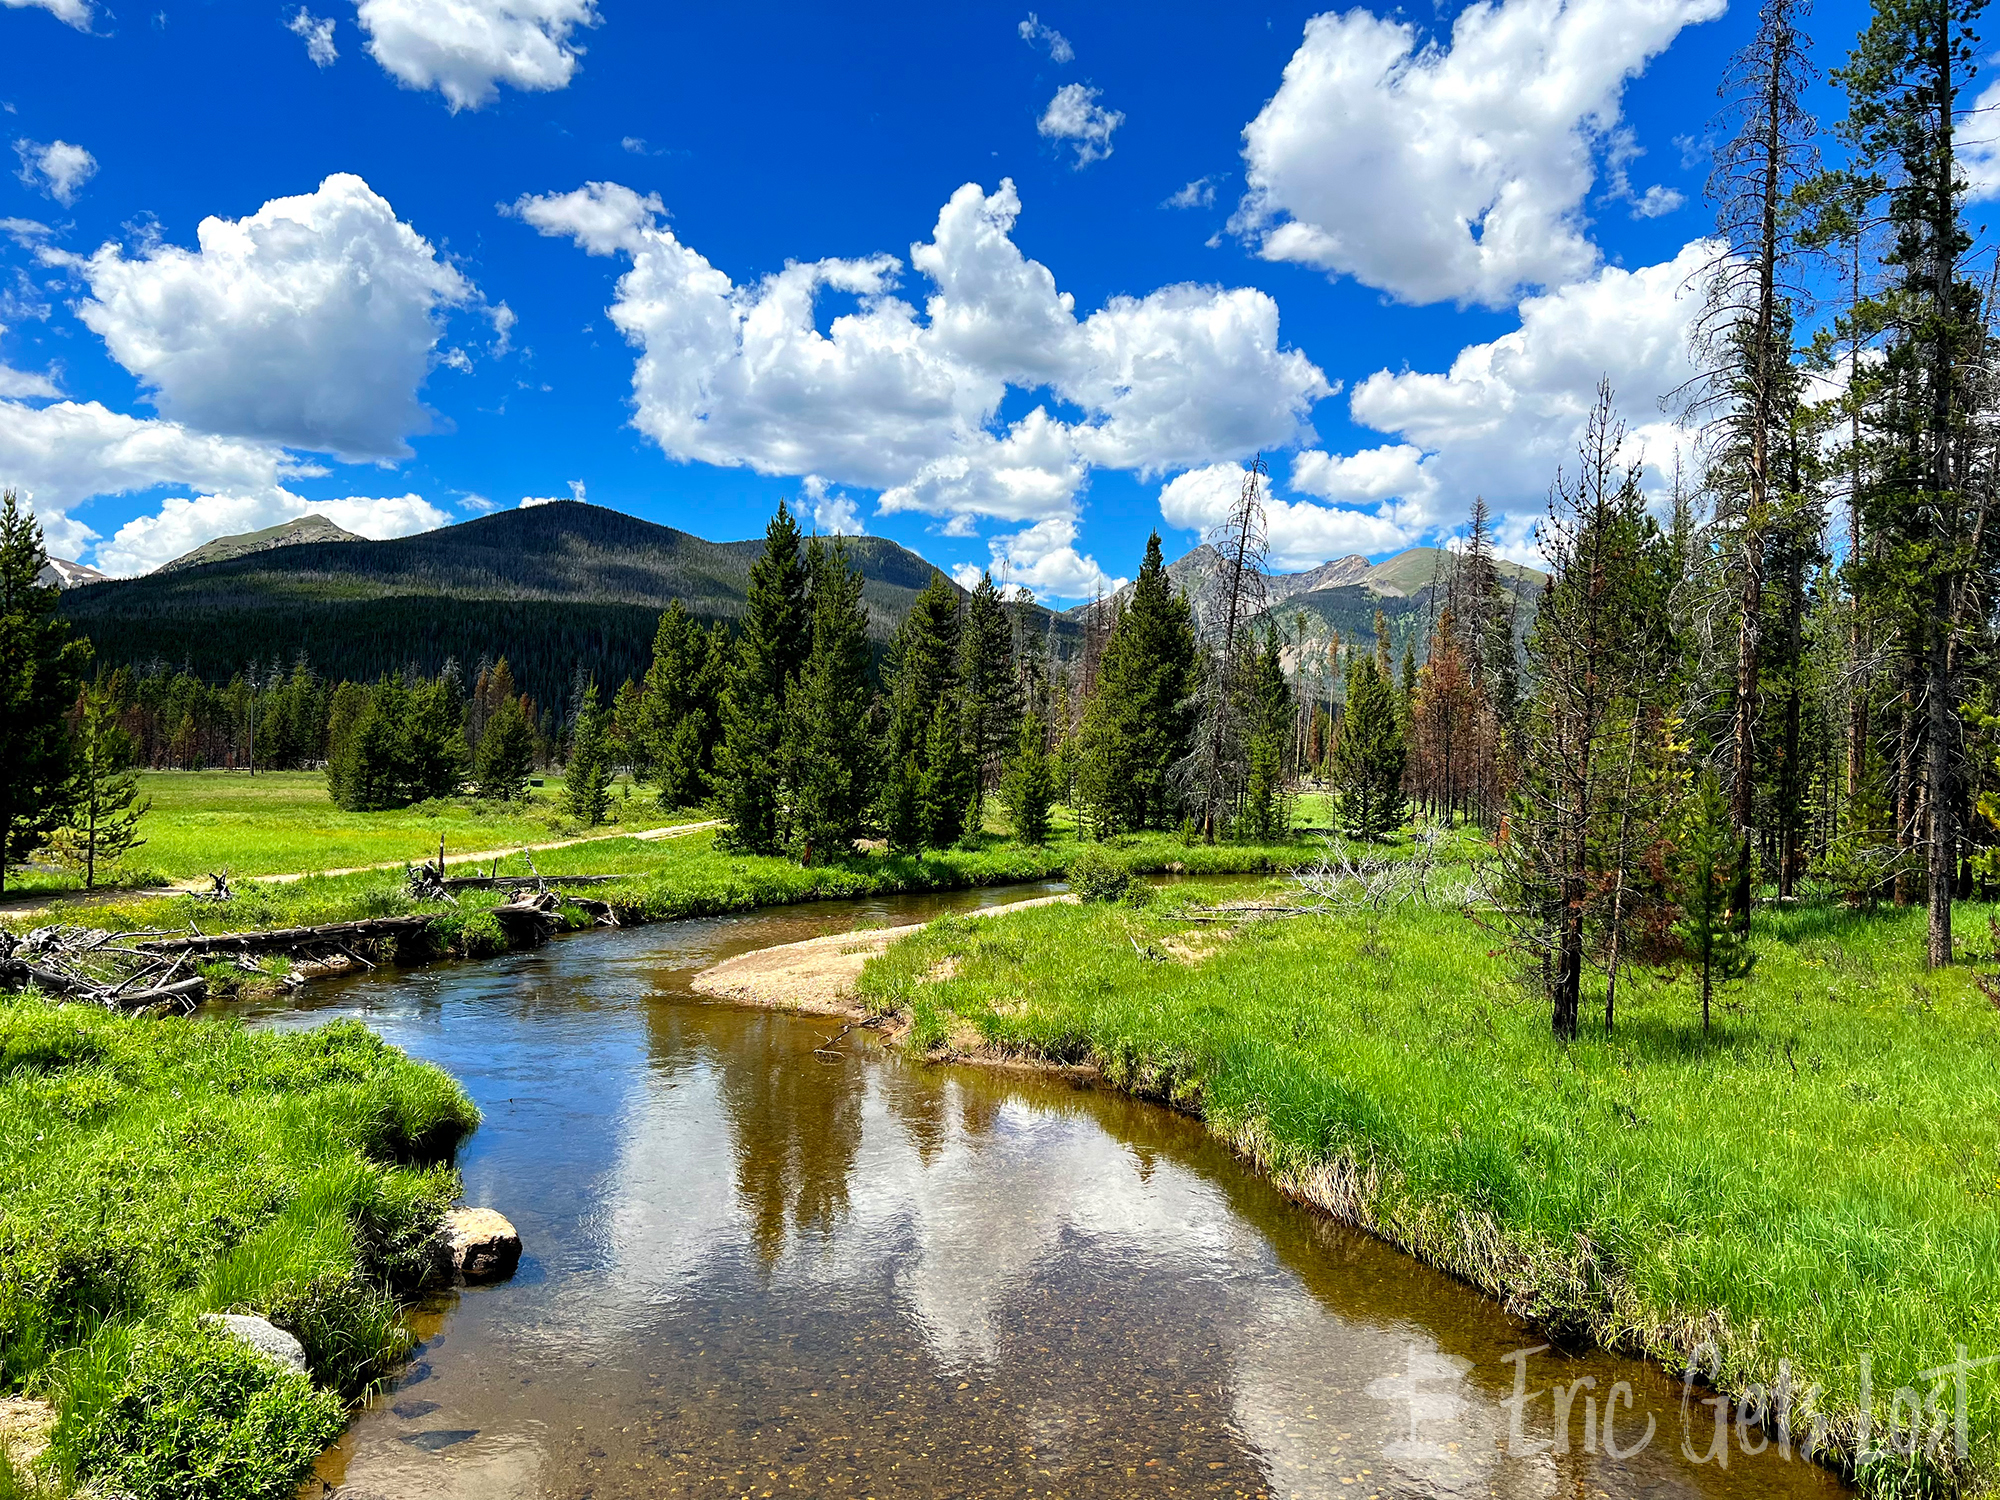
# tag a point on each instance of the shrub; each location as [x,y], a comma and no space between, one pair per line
[1096,874]
[193,1414]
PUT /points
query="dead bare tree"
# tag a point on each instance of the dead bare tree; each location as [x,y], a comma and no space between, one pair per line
[1213,772]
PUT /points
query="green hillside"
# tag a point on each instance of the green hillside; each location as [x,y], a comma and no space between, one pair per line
[553,588]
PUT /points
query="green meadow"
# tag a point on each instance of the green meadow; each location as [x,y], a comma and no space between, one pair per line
[1815,1180]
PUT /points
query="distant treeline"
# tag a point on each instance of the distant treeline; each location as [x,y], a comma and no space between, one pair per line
[545,641]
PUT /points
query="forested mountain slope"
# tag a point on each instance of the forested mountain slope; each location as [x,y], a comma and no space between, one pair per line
[553,588]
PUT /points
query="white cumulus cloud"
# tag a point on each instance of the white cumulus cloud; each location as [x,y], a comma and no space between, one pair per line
[17,383]
[1979,145]
[1074,115]
[183,523]
[466,48]
[1449,172]
[907,402]
[56,169]
[1508,412]
[833,513]
[1197,194]
[75,13]
[1044,559]
[1302,534]
[317,33]
[61,455]
[1656,201]
[309,323]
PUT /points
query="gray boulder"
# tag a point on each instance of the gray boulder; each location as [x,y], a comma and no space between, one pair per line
[266,1337]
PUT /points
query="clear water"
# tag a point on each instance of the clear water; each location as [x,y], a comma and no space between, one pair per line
[753,1269]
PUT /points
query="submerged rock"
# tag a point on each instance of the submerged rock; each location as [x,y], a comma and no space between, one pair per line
[484,1246]
[266,1337]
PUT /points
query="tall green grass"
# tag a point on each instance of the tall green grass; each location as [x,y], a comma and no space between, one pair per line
[659,880]
[1814,1181]
[155,1170]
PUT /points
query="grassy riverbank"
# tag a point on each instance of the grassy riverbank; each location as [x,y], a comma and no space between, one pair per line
[1816,1181]
[155,1170]
[657,880]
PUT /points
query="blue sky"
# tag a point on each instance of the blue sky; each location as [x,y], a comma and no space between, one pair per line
[409,307]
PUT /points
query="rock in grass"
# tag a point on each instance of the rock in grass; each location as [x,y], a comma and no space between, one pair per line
[266,1337]
[484,1246]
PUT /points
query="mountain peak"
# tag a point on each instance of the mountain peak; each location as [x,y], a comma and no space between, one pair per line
[61,573]
[292,533]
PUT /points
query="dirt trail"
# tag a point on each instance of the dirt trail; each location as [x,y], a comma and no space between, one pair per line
[484,854]
[817,976]
[25,906]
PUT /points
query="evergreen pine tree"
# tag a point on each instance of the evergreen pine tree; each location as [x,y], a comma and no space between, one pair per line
[1933,554]
[776,635]
[1028,786]
[41,669]
[679,714]
[1138,725]
[434,754]
[1368,753]
[506,753]
[1705,858]
[828,760]
[105,810]
[987,682]
[946,782]
[924,683]
[587,775]
[1266,793]
[370,771]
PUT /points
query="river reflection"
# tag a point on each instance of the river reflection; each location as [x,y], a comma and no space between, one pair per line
[754,1269]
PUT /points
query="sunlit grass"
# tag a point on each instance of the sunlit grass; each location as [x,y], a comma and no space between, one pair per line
[154,1170]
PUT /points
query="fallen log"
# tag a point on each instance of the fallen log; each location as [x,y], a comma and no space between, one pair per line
[519,882]
[529,919]
[290,937]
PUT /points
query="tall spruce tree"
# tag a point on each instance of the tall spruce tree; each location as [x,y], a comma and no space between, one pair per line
[506,753]
[989,688]
[924,683]
[1368,753]
[1593,656]
[41,670]
[1139,723]
[1267,800]
[1931,557]
[829,761]
[434,754]
[587,773]
[1743,337]
[679,719]
[370,771]
[1028,787]
[105,803]
[776,635]
[947,786]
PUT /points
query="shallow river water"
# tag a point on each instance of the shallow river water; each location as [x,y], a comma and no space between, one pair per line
[756,1270]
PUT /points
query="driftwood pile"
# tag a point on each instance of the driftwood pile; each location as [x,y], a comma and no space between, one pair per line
[102,966]
[151,969]
[530,917]
[155,969]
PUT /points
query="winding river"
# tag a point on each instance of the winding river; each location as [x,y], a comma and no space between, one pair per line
[757,1269]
